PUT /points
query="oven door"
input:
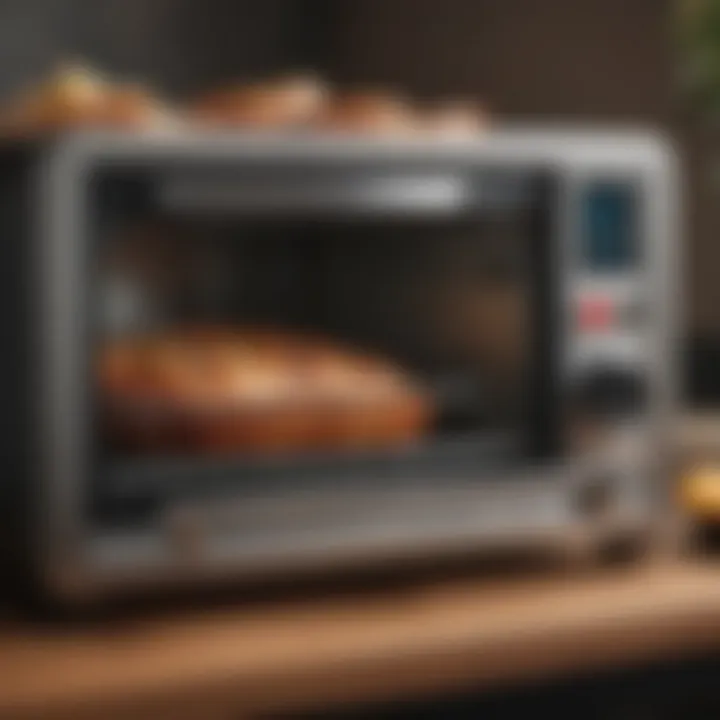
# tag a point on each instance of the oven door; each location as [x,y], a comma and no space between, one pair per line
[446,272]
[438,278]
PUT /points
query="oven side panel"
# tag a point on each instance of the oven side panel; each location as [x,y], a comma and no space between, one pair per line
[18,360]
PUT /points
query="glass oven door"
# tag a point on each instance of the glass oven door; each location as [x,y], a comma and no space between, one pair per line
[316,325]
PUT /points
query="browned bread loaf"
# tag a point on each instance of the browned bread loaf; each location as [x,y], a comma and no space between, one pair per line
[457,120]
[77,97]
[286,102]
[254,390]
[373,113]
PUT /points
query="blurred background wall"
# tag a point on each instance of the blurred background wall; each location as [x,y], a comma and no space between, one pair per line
[593,59]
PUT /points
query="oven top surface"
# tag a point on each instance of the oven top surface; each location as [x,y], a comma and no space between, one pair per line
[618,146]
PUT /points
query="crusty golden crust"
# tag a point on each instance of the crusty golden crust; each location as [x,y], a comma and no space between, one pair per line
[77,97]
[455,120]
[375,113]
[254,390]
[288,102]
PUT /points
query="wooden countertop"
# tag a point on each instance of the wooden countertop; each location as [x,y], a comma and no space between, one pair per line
[234,662]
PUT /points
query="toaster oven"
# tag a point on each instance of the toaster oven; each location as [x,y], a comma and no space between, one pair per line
[230,355]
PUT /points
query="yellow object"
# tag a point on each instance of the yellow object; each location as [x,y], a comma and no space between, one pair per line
[700,492]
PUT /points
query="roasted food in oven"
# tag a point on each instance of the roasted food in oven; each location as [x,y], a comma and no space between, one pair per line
[79,97]
[289,102]
[254,390]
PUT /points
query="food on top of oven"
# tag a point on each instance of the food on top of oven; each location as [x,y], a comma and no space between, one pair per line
[134,106]
[254,390]
[293,101]
[78,96]
[373,112]
[72,95]
[455,120]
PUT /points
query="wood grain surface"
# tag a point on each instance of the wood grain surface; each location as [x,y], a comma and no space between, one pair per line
[252,661]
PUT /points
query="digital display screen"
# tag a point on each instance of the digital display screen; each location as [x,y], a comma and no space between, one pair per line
[609,232]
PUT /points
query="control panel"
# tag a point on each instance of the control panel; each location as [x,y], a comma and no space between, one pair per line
[609,351]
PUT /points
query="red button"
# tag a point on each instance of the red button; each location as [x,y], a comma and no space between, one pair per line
[596,314]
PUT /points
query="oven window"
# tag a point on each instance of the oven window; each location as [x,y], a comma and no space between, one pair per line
[272,348]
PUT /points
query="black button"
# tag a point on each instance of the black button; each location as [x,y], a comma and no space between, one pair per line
[611,391]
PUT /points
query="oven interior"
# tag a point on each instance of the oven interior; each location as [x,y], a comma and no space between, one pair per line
[450,301]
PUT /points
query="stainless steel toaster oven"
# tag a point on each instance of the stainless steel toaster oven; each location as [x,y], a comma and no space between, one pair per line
[231,355]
